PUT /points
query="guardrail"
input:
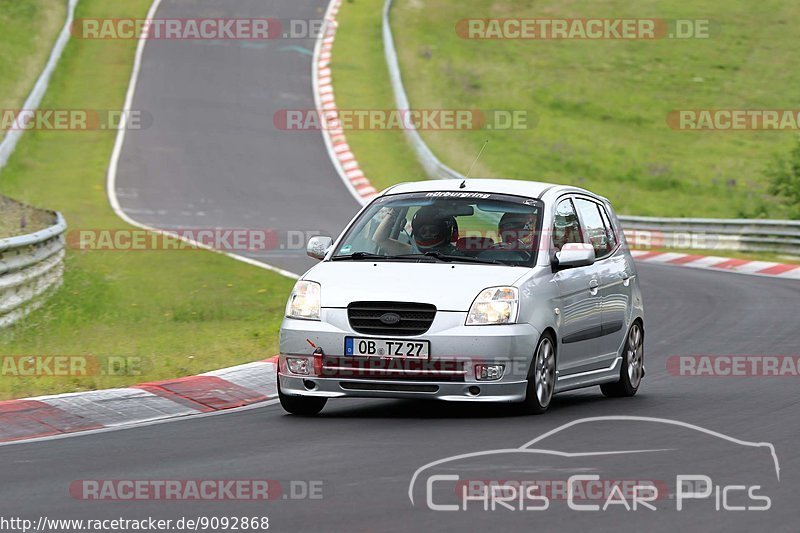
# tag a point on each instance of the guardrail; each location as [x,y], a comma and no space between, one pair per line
[433,167]
[9,142]
[31,267]
[746,235]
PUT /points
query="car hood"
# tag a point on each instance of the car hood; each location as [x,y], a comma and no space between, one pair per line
[448,286]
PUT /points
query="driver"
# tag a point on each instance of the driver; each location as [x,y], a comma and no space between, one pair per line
[433,231]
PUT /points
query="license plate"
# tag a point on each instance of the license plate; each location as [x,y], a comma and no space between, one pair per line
[359,347]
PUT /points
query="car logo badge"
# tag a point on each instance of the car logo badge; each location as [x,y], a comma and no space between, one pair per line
[390,319]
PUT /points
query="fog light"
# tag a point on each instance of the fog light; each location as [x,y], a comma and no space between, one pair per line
[297,365]
[489,372]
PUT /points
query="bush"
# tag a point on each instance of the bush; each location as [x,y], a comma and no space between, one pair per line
[784,179]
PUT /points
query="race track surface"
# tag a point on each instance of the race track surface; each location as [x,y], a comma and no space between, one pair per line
[365,452]
[213,159]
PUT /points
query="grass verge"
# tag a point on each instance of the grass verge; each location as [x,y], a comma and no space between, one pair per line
[28,30]
[180,312]
[600,106]
[361,81]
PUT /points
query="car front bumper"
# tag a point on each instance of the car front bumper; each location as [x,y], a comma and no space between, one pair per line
[448,375]
[487,391]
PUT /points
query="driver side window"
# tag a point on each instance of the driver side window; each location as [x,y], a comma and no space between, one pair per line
[566,226]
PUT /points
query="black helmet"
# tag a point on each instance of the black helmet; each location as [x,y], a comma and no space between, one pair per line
[431,229]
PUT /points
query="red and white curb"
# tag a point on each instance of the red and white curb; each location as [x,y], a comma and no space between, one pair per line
[359,185]
[239,386]
[229,388]
[251,383]
[335,140]
[726,264]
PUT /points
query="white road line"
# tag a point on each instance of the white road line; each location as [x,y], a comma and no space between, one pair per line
[111,178]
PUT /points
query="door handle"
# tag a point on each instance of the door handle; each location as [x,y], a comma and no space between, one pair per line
[593,285]
[625,276]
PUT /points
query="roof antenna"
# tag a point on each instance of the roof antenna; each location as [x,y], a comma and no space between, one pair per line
[464,183]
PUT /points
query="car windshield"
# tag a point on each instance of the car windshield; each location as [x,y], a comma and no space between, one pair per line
[458,227]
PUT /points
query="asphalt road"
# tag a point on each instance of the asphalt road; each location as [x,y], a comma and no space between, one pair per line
[212,157]
[213,151]
[365,452]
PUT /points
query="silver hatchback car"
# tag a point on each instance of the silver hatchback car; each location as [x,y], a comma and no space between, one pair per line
[477,290]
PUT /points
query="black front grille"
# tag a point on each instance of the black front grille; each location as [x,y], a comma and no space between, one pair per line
[414,319]
[388,387]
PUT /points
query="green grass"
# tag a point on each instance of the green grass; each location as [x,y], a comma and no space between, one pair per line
[361,81]
[601,106]
[28,29]
[182,312]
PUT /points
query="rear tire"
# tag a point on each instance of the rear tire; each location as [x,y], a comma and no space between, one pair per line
[301,405]
[541,378]
[632,370]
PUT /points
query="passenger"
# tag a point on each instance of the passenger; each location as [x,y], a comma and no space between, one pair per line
[517,231]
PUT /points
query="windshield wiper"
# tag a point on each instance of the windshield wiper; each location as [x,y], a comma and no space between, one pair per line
[446,258]
[358,255]
[367,255]
[449,258]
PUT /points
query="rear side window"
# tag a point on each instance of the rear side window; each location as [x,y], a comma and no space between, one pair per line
[566,227]
[598,230]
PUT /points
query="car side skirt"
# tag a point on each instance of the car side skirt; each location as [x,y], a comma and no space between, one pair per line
[590,378]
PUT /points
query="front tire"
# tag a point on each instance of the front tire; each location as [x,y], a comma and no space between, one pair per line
[541,378]
[632,370]
[301,405]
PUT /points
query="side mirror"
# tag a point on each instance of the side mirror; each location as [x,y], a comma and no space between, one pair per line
[575,254]
[318,247]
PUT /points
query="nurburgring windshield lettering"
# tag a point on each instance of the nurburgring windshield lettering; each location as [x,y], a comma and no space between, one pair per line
[457,227]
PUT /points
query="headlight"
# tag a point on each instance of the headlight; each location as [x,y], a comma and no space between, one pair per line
[304,302]
[497,305]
